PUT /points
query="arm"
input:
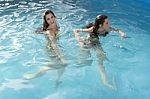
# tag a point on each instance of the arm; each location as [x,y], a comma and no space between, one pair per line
[39,30]
[122,34]
[77,36]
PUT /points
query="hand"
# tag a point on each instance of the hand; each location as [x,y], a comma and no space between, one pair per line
[77,34]
[38,30]
[122,34]
[76,30]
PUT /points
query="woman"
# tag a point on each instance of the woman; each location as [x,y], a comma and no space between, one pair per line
[100,28]
[51,30]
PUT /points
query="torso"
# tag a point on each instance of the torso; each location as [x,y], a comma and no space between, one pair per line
[51,38]
[94,37]
[53,30]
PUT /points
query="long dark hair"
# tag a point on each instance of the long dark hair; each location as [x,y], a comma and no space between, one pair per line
[45,24]
[99,21]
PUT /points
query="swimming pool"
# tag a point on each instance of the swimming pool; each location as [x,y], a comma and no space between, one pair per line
[22,51]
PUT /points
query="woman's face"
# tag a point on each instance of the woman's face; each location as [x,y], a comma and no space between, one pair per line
[50,18]
[106,24]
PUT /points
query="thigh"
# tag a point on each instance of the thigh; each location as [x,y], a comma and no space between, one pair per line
[101,56]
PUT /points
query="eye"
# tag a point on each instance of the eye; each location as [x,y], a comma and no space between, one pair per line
[48,19]
[52,17]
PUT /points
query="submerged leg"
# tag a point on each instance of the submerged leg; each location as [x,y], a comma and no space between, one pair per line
[104,78]
[84,58]
[40,72]
[60,72]
[101,57]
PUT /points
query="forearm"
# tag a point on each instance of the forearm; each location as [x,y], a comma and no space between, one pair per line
[122,34]
[39,30]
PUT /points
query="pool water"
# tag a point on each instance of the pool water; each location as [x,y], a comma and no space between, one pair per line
[22,51]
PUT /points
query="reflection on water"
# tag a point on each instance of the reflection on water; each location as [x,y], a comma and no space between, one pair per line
[16,84]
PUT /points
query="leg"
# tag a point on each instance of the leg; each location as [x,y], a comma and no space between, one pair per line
[84,57]
[40,72]
[101,57]
[60,72]
[84,54]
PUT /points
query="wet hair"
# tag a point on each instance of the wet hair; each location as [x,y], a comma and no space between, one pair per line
[99,21]
[45,24]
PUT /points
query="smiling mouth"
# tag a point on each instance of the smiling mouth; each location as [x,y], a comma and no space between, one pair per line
[52,22]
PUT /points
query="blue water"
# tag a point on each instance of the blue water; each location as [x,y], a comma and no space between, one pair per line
[22,51]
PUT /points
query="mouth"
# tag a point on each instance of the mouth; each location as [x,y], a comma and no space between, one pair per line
[52,22]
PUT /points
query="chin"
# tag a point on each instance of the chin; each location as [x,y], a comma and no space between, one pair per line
[52,22]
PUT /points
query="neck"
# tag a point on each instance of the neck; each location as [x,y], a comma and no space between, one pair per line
[101,29]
